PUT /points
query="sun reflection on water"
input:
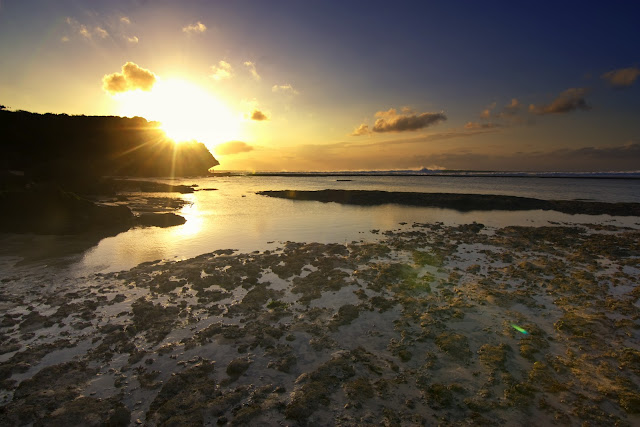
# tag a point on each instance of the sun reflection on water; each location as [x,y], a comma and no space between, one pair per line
[194,224]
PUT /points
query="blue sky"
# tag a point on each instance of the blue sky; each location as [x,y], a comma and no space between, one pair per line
[471,85]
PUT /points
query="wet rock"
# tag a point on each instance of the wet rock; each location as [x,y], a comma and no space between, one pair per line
[238,366]
[184,397]
[454,344]
[168,219]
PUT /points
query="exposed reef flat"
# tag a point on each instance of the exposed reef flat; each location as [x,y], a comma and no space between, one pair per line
[429,325]
[459,202]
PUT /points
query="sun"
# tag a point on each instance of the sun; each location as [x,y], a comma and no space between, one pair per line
[186,112]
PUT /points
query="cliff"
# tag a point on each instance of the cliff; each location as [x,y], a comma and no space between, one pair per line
[59,147]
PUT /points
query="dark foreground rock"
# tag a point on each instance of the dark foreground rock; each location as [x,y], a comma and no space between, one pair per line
[47,209]
[120,185]
[160,219]
[459,202]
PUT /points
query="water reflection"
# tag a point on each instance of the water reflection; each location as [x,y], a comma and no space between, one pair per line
[234,217]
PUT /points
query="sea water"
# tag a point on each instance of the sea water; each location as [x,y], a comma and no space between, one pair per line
[235,217]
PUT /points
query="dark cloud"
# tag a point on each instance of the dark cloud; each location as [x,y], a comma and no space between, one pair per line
[132,77]
[569,100]
[391,121]
[476,125]
[587,159]
[233,147]
[258,116]
[622,77]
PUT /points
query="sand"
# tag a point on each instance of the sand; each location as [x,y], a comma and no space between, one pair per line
[431,324]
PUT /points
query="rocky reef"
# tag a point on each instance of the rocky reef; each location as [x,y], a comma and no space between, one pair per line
[430,325]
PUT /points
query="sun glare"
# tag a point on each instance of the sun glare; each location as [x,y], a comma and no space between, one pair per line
[186,112]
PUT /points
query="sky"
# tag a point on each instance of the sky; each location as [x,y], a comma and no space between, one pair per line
[351,85]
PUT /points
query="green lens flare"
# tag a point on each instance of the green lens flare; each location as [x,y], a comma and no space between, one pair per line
[519,329]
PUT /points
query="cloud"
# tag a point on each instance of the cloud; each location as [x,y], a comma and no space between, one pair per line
[233,147]
[125,20]
[476,125]
[622,77]
[84,31]
[132,77]
[101,32]
[512,109]
[586,159]
[285,88]
[132,39]
[487,112]
[391,121]
[508,112]
[222,71]
[363,129]
[252,69]
[258,116]
[196,28]
[569,100]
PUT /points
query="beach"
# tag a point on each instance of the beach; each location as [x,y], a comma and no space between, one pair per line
[420,323]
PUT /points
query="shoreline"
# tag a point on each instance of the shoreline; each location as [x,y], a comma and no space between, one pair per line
[414,328]
[459,202]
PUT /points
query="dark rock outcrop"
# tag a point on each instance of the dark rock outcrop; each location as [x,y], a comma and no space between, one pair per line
[160,219]
[459,202]
[47,209]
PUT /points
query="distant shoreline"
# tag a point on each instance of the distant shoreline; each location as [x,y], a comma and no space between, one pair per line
[459,202]
[428,175]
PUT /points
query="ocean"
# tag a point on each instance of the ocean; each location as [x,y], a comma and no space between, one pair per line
[234,217]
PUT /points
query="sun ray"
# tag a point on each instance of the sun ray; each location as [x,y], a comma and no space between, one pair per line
[185,111]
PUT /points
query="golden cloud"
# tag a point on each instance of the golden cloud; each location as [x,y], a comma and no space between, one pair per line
[287,88]
[391,121]
[233,147]
[363,129]
[196,28]
[132,77]
[623,77]
[258,116]
[252,69]
[222,71]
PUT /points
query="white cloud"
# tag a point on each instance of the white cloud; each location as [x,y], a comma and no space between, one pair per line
[196,28]
[125,20]
[252,69]
[132,39]
[85,31]
[287,88]
[101,32]
[222,71]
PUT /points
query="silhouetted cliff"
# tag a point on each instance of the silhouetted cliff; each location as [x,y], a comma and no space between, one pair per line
[66,148]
